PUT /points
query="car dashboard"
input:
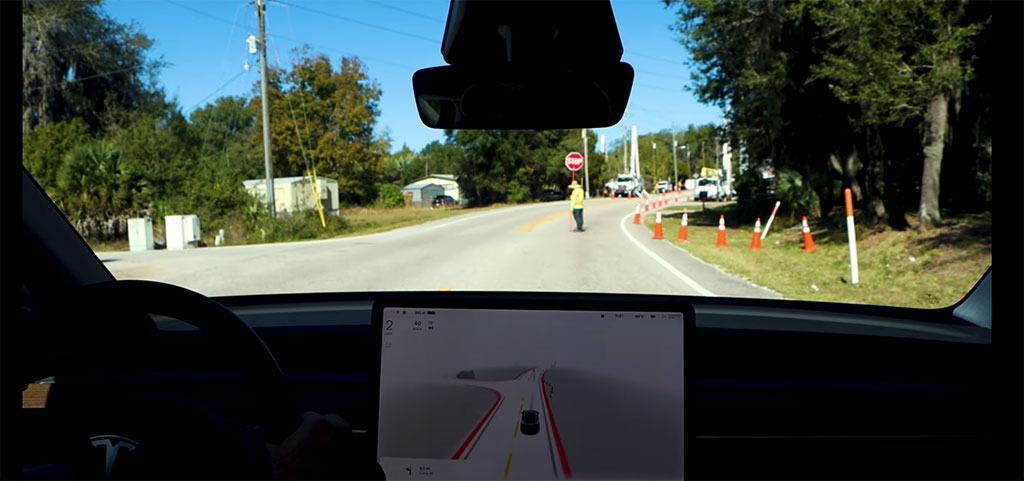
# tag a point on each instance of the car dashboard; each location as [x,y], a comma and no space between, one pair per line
[780,389]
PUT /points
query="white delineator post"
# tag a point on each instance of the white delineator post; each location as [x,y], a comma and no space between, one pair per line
[770,219]
[851,234]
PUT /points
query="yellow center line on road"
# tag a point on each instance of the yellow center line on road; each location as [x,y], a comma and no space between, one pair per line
[516,432]
[534,224]
[508,464]
[446,288]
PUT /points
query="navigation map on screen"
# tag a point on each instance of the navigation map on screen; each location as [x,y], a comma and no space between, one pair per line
[516,394]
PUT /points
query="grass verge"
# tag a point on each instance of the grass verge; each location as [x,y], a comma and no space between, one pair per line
[909,268]
[306,226]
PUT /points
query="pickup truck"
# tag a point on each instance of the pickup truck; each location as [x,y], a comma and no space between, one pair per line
[709,189]
[627,184]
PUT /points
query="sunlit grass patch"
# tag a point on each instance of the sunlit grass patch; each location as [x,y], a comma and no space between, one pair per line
[909,268]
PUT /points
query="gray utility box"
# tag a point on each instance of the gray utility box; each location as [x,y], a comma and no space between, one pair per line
[140,234]
[182,231]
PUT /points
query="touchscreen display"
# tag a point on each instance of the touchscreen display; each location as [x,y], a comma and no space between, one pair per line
[518,394]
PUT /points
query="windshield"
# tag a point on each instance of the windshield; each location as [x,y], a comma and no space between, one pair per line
[146,123]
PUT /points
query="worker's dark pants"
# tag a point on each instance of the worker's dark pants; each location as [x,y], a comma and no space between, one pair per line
[578,215]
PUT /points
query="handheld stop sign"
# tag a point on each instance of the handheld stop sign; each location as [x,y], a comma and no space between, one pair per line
[574,161]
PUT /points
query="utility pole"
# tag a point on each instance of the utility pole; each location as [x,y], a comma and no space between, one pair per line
[586,167]
[717,165]
[675,164]
[688,162]
[655,162]
[625,143]
[265,100]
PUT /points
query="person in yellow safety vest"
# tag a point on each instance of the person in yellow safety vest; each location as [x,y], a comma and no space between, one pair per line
[577,204]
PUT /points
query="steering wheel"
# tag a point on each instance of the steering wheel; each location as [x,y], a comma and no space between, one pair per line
[165,436]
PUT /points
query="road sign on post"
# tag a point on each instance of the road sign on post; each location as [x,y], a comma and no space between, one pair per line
[574,161]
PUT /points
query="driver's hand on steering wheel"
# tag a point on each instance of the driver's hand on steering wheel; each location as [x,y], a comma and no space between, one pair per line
[312,451]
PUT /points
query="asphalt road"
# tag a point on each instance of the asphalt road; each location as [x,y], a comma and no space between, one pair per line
[520,248]
[609,428]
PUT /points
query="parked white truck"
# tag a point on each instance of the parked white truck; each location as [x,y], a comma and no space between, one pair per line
[709,188]
[627,184]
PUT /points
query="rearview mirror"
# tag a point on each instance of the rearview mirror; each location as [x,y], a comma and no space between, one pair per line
[510,97]
[526,65]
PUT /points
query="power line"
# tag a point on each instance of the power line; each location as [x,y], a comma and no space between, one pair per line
[216,91]
[410,12]
[344,52]
[207,15]
[291,111]
[302,96]
[360,22]
[656,74]
[654,87]
[651,57]
[293,41]
[79,79]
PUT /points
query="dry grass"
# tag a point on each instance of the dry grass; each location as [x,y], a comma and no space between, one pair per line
[909,268]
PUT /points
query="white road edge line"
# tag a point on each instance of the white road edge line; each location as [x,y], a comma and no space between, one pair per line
[683,277]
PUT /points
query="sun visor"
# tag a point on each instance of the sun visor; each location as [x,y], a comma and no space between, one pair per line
[570,32]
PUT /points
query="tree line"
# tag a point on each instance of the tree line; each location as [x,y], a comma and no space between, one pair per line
[891,99]
[104,141]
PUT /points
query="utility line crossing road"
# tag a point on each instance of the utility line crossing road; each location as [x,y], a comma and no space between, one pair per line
[518,248]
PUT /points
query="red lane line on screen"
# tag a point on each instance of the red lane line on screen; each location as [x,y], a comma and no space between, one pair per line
[524,372]
[554,430]
[472,434]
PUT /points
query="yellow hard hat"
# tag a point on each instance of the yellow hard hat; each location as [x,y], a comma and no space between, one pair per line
[574,185]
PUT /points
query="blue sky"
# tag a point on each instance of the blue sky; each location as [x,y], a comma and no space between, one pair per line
[204,44]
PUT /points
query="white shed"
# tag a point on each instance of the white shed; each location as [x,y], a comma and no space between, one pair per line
[447,182]
[293,194]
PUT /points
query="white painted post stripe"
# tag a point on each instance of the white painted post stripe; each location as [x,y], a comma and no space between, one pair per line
[770,219]
[852,236]
[686,280]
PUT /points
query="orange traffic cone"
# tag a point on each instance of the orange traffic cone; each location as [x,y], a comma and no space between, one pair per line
[647,204]
[636,214]
[611,193]
[755,242]
[677,197]
[721,233]
[808,242]
[657,226]
[682,229]
[629,195]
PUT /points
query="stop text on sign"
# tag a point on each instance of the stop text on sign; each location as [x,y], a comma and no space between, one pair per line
[574,161]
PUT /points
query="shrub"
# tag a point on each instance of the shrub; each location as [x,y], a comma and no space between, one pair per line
[389,195]
[302,225]
[798,195]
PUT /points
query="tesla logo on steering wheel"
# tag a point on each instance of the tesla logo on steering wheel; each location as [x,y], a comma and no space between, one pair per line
[113,444]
